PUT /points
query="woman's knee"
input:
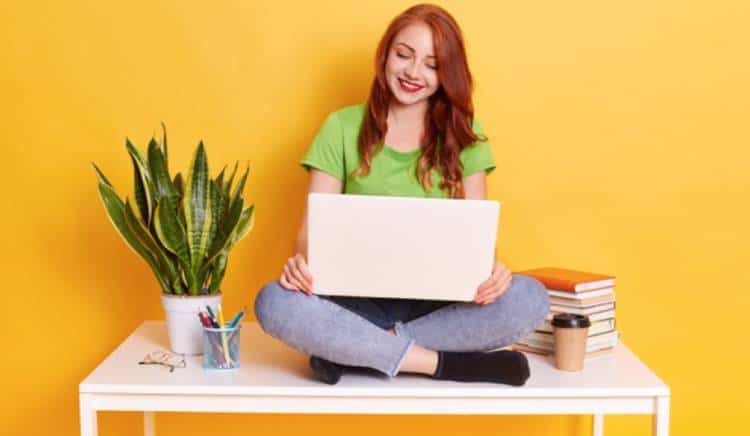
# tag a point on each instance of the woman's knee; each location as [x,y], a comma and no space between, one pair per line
[532,296]
[270,303]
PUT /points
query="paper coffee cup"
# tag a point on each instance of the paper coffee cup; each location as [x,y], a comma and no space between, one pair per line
[571,332]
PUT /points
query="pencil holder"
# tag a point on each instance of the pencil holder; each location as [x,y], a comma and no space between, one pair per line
[221,348]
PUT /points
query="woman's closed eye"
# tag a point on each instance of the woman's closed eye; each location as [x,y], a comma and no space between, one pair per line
[403,56]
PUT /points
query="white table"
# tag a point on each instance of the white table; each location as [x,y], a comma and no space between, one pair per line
[275,378]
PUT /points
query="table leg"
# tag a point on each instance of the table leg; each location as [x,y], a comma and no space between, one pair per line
[597,428]
[661,417]
[87,414]
[149,424]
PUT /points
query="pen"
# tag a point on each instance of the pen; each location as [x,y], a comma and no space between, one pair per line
[211,337]
[236,319]
[212,317]
[224,335]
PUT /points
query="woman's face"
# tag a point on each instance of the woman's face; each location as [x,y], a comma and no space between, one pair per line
[411,66]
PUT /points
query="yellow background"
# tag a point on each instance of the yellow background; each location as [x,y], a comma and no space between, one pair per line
[620,130]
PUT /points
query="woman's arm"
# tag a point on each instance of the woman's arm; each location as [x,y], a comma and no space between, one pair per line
[319,182]
[475,188]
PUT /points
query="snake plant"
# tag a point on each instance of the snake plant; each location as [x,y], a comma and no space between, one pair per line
[183,228]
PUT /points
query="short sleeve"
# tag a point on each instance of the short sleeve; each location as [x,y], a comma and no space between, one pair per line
[326,152]
[478,156]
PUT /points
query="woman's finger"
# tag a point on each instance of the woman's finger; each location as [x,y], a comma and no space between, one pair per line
[488,284]
[297,284]
[489,293]
[509,281]
[290,268]
[496,290]
[297,278]
[291,281]
[302,269]
[494,295]
[285,283]
[492,283]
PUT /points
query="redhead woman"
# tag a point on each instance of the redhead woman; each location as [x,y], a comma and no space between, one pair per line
[416,136]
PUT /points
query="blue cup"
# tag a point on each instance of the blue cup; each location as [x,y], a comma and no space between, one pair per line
[221,348]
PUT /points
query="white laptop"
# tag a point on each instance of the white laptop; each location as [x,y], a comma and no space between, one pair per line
[400,247]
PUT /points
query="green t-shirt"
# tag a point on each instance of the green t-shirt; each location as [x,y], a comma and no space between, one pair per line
[335,151]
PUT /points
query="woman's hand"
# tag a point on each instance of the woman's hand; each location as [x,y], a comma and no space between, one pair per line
[296,276]
[494,287]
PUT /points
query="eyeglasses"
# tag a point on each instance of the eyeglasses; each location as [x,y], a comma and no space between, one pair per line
[166,358]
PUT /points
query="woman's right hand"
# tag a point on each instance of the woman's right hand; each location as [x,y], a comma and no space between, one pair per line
[296,276]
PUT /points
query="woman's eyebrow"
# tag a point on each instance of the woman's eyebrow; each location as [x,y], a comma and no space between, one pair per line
[412,50]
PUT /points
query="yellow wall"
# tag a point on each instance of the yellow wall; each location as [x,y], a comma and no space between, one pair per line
[620,131]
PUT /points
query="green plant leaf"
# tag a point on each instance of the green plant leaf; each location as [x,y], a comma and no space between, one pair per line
[197,207]
[215,210]
[162,182]
[244,226]
[115,209]
[164,146]
[100,175]
[217,273]
[170,230]
[240,185]
[228,185]
[220,178]
[222,235]
[143,189]
[179,184]
[165,264]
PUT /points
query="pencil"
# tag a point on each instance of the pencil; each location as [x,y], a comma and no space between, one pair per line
[224,337]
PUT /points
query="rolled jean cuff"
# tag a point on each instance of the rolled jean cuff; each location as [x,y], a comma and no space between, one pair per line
[394,371]
[401,333]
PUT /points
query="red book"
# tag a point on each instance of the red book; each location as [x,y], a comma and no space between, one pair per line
[568,280]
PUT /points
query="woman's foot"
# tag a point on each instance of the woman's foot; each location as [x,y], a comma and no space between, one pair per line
[502,366]
[325,370]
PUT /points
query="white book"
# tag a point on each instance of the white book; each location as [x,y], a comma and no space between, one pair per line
[602,338]
[581,295]
[598,316]
[586,310]
[582,287]
[597,327]
[593,343]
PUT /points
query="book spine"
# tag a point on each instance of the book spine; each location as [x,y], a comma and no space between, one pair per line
[556,284]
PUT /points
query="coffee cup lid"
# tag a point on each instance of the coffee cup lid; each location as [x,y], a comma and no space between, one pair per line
[570,320]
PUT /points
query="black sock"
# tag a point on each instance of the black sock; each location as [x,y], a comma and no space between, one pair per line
[502,366]
[325,370]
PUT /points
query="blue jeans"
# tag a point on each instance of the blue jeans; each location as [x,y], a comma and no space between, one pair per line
[353,330]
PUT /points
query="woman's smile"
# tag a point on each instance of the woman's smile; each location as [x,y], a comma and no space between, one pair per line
[409,86]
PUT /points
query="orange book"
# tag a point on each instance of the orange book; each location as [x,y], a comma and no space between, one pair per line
[568,280]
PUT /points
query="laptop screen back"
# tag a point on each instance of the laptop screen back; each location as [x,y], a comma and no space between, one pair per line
[400,247]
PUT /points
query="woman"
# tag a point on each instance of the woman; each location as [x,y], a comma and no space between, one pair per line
[417,137]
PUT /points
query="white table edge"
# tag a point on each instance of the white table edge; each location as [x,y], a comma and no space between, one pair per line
[93,397]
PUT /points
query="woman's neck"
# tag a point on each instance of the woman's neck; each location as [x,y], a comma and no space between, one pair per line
[400,115]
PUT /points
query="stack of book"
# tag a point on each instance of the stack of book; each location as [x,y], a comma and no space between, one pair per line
[577,292]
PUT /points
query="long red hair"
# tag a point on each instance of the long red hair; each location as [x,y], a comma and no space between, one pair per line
[448,119]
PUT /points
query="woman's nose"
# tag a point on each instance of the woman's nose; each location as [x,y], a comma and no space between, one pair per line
[412,70]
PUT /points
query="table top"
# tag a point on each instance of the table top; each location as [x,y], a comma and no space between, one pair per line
[268,367]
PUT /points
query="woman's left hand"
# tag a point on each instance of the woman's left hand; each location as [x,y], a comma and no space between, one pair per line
[495,286]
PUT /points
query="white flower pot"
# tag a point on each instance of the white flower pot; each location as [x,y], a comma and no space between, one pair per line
[183,325]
